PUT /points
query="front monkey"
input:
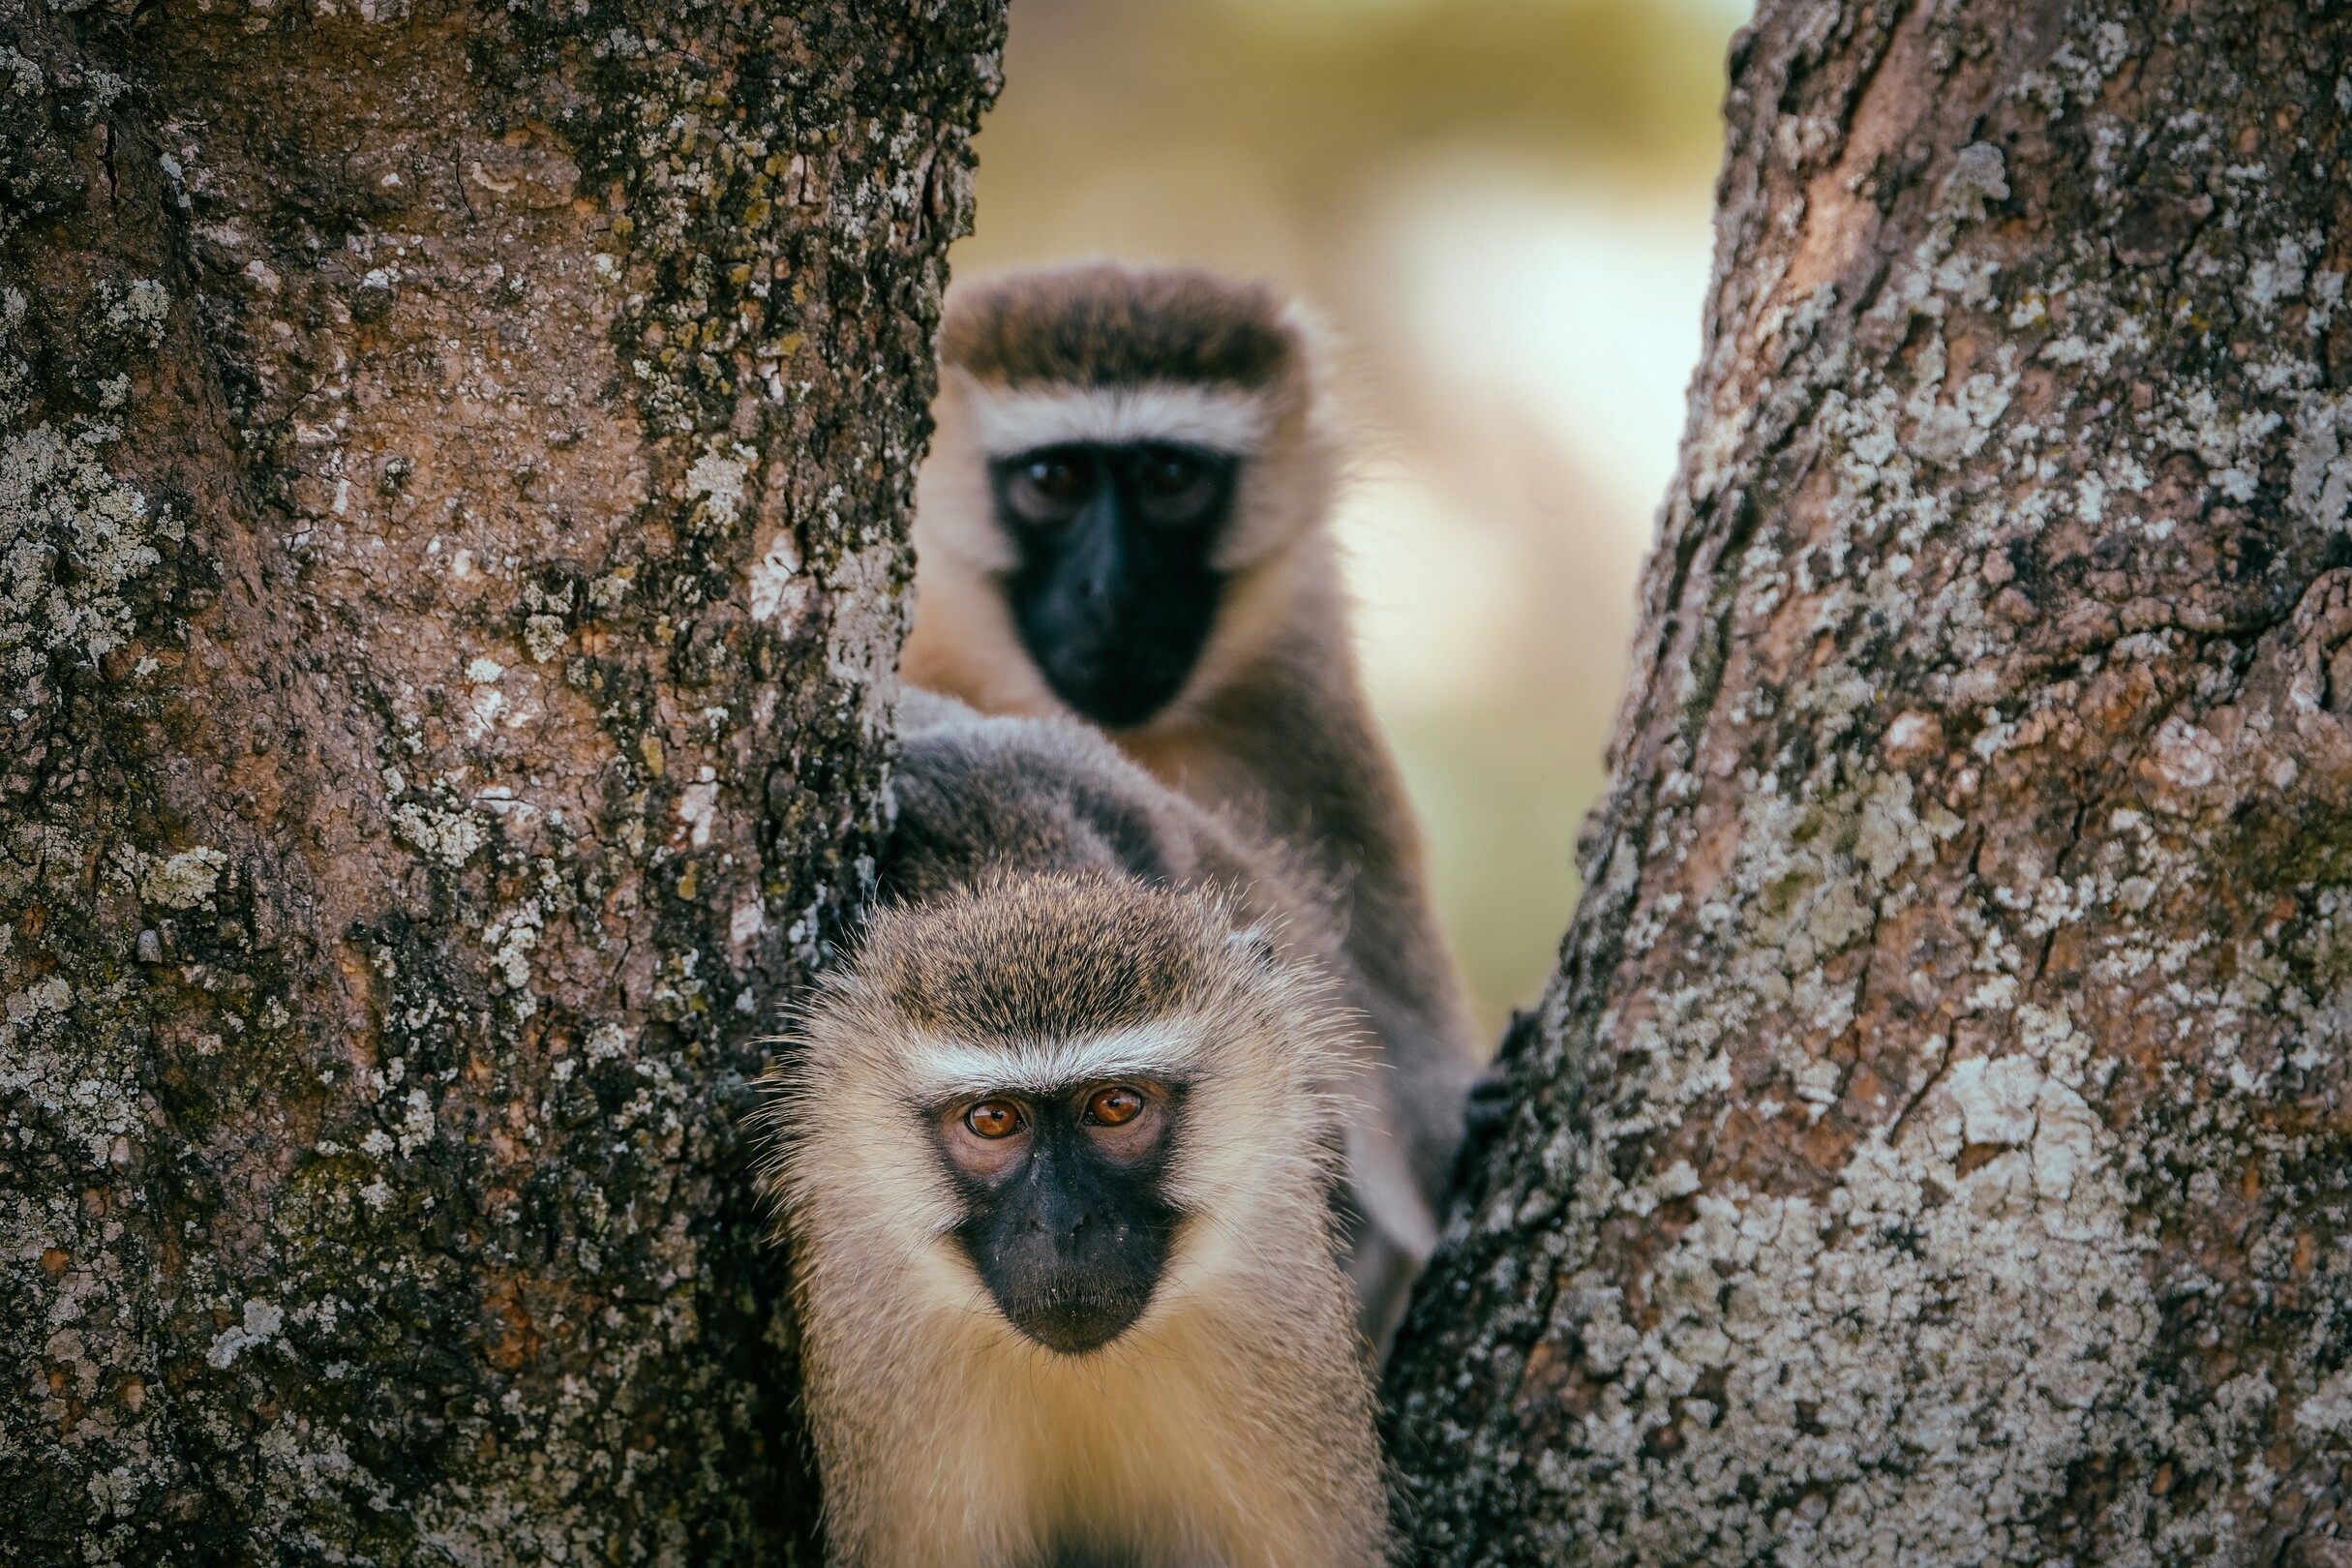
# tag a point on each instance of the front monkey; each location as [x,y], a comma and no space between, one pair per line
[1124,518]
[1056,1166]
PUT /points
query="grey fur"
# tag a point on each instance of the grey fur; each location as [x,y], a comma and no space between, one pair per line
[980,795]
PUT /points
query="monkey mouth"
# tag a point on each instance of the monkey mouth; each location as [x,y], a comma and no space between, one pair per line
[1122,676]
[1074,1320]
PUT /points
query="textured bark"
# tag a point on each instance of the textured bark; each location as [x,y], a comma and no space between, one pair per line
[1936,1143]
[453,466]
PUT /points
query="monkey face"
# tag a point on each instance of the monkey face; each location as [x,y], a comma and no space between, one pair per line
[1066,1218]
[1112,589]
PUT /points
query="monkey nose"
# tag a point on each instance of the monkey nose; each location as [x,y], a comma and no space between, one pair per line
[1070,1273]
[1065,1228]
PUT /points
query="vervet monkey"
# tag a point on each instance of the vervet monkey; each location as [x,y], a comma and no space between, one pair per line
[1124,518]
[1058,1148]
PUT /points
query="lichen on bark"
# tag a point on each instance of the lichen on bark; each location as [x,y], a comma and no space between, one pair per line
[1936,1143]
[453,470]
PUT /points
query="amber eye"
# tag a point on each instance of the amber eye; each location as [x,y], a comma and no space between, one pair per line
[1109,1107]
[993,1119]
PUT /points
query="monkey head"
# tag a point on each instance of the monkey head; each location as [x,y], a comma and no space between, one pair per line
[1126,461]
[1063,1100]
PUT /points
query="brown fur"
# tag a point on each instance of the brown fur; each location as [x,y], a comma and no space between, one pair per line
[1052,958]
[1273,721]
[1106,326]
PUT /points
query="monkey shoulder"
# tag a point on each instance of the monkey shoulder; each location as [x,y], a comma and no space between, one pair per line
[980,797]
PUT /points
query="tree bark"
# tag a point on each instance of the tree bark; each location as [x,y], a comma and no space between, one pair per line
[454,461]
[1936,1145]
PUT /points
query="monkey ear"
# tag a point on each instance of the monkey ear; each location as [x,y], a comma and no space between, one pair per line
[1257,947]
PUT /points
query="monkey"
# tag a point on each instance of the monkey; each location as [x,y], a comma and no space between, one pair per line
[1124,519]
[1055,1150]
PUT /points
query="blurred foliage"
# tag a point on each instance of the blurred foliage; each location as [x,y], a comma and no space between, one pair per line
[1324,94]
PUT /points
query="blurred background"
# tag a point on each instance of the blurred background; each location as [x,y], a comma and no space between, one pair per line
[1502,205]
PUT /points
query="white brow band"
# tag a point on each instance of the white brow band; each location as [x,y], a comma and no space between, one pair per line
[940,1070]
[1011,422]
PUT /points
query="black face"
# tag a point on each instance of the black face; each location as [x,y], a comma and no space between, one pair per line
[1114,594]
[1065,1218]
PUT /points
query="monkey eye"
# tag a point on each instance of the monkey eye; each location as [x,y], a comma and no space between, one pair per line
[1114,1105]
[1055,478]
[1177,487]
[1047,489]
[993,1119]
[1168,472]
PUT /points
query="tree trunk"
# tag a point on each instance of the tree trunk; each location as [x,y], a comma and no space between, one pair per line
[1936,1146]
[453,467]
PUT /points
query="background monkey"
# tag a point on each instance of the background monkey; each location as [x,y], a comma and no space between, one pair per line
[1059,1145]
[1123,517]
